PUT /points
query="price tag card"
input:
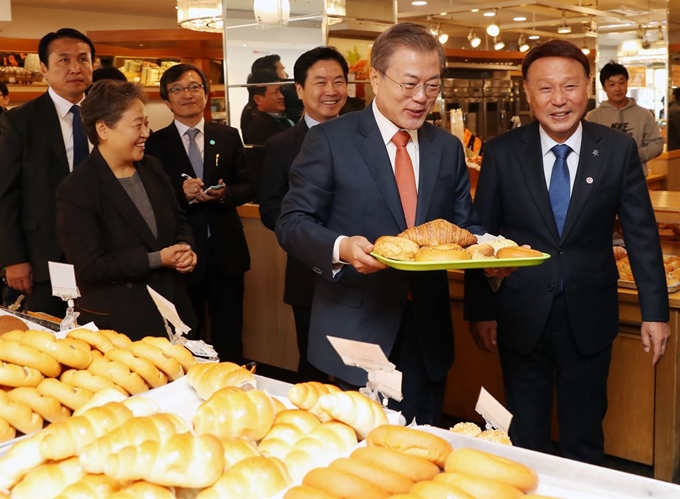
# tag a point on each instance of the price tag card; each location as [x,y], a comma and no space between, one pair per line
[63,279]
[168,311]
[368,356]
[493,411]
[389,383]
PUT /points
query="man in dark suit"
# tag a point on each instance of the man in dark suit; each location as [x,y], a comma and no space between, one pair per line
[209,171]
[321,83]
[558,184]
[40,143]
[344,194]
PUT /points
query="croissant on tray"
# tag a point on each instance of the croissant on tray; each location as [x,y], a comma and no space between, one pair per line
[439,231]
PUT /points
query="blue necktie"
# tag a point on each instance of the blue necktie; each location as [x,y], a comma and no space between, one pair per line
[194,153]
[81,147]
[559,185]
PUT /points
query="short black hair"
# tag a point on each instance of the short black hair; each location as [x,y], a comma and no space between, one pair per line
[108,73]
[311,57]
[45,41]
[612,69]
[555,48]
[676,93]
[3,89]
[174,73]
[266,63]
[261,77]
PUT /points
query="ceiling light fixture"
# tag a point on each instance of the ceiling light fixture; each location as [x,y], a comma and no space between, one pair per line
[519,19]
[498,43]
[200,15]
[419,3]
[522,44]
[493,29]
[534,37]
[271,11]
[585,48]
[564,28]
[489,13]
[473,39]
[591,28]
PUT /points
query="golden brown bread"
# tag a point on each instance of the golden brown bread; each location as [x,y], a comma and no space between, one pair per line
[103,397]
[413,467]
[439,231]
[7,431]
[208,377]
[143,490]
[93,338]
[518,252]
[177,352]
[166,363]
[91,487]
[469,429]
[10,323]
[442,253]
[146,370]
[354,409]
[47,406]
[307,492]
[481,251]
[289,427]
[501,243]
[48,477]
[392,482]
[183,460]
[492,467]
[343,484]
[19,415]
[237,449]
[14,375]
[498,436]
[67,352]
[440,490]
[71,396]
[13,351]
[480,488]
[306,396]
[89,381]
[234,413]
[410,441]
[21,458]
[396,248]
[119,373]
[252,477]
[118,340]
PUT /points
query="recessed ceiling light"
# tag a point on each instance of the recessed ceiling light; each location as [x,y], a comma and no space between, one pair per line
[418,3]
[474,10]
[489,14]
[534,37]
[519,19]
[443,13]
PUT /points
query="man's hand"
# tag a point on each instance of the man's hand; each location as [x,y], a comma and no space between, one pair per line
[20,277]
[484,334]
[213,195]
[501,272]
[355,251]
[656,334]
[193,189]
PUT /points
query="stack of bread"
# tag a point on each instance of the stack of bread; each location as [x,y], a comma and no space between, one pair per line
[671,266]
[442,241]
[472,430]
[43,378]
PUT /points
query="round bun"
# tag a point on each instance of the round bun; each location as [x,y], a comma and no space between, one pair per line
[442,253]
[620,252]
[517,252]
[484,465]
[414,442]
[469,429]
[396,248]
[10,323]
[498,436]
[481,251]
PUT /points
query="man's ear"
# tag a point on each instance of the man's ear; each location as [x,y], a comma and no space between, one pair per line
[257,99]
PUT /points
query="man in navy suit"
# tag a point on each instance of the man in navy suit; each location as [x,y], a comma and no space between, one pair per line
[37,151]
[557,185]
[321,83]
[344,195]
[196,155]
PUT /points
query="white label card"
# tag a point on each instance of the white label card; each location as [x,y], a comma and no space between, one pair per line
[389,383]
[368,356]
[493,411]
[63,278]
[167,309]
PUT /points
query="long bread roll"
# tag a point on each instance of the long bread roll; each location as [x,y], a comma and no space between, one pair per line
[19,415]
[183,460]
[355,409]
[47,406]
[14,375]
[48,480]
[119,373]
[441,490]
[392,482]
[93,338]
[146,370]
[306,396]
[411,441]
[13,351]
[237,449]
[143,490]
[21,458]
[307,492]
[207,378]
[7,431]
[289,427]
[177,352]
[254,478]
[71,396]
[343,484]
[412,467]
[166,363]
[89,381]
[91,487]
[480,488]
[69,353]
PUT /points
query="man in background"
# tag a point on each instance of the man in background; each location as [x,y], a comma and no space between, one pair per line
[623,114]
[372,173]
[40,143]
[673,122]
[4,97]
[321,83]
[209,171]
[557,184]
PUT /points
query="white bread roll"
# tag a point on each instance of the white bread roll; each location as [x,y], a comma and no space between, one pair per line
[306,396]
[48,480]
[253,477]
[21,458]
[355,409]
[14,375]
[143,490]
[207,378]
[19,415]
[91,487]
[289,427]
[47,406]
[16,353]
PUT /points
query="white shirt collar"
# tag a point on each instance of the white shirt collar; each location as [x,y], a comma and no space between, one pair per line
[62,105]
[574,141]
[388,129]
[310,121]
[182,128]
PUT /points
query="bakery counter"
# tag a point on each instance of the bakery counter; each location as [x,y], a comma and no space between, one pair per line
[643,420]
[668,164]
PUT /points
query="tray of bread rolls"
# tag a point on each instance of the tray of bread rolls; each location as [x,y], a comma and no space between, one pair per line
[441,245]
[671,264]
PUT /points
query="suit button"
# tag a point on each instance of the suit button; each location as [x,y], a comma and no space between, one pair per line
[560,251]
[551,288]
[129,285]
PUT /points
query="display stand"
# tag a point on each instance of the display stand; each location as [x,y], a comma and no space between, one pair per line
[63,278]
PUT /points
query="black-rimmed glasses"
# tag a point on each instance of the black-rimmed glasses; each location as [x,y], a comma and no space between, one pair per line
[194,88]
[411,89]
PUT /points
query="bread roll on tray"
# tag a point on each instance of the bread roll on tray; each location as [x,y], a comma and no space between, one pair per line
[442,253]
[413,467]
[343,484]
[410,441]
[492,467]
[518,252]
[396,248]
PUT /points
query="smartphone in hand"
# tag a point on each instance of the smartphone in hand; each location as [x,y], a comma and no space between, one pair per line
[215,187]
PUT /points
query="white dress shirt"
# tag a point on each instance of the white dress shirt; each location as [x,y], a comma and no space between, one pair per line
[549,157]
[63,108]
[200,136]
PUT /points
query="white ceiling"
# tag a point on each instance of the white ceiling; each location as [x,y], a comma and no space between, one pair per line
[542,16]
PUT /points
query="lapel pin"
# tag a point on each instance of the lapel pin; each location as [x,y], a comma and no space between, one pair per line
[596,153]
[589,180]
[212,142]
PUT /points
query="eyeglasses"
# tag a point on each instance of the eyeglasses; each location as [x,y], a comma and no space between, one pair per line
[194,88]
[411,89]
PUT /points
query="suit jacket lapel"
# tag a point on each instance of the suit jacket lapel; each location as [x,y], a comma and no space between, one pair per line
[430,159]
[589,165]
[372,148]
[116,194]
[176,147]
[161,207]
[530,159]
[51,126]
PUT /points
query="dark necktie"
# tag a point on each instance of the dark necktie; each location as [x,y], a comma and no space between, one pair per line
[405,177]
[559,185]
[81,147]
[194,153]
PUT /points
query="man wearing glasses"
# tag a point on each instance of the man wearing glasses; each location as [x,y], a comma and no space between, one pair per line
[208,168]
[373,173]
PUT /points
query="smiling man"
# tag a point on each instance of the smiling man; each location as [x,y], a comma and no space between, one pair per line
[40,143]
[197,155]
[321,83]
[622,113]
[352,183]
